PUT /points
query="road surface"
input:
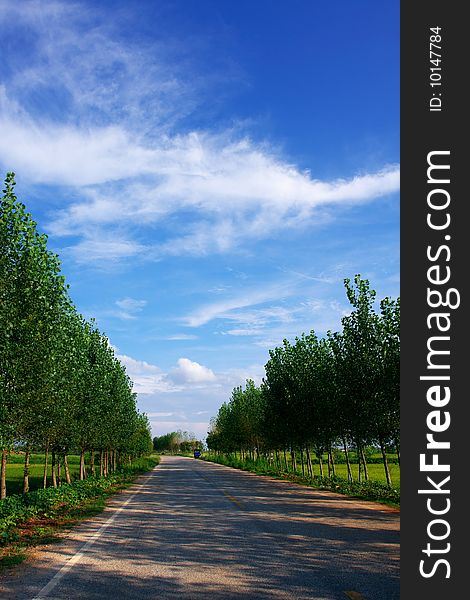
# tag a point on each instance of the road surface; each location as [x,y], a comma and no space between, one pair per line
[193,530]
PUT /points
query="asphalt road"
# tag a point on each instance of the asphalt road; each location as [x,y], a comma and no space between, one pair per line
[196,530]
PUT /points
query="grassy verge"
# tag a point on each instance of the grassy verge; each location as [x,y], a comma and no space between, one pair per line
[365,490]
[39,517]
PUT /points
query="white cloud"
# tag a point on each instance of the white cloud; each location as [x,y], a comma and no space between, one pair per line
[116,145]
[242,332]
[189,371]
[147,378]
[199,428]
[151,379]
[104,250]
[129,307]
[224,309]
[160,414]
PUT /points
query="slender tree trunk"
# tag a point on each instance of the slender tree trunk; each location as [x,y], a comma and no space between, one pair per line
[302,461]
[294,463]
[397,448]
[46,460]
[26,470]
[364,462]
[285,460]
[54,478]
[386,469]
[101,463]
[309,462]
[3,475]
[359,463]
[82,464]
[346,456]
[58,469]
[115,461]
[329,463]
[320,463]
[333,468]
[67,470]
[92,463]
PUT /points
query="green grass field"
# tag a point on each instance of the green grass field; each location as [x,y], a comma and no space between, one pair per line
[15,468]
[376,472]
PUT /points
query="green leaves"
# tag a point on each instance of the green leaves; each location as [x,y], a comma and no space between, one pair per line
[320,393]
[60,383]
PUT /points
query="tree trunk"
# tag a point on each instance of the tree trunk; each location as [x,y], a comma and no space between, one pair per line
[101,463]
[309,462]
[397,448]
[333,468]
[364,462]
[54,478]
[3,476]
[82,465]
[67,471]
[26,471]
[46,461]
[285,460]
[58,470]
[359,464]
[346,456]
[320,463]
[294,464]
[329,463]
[114,461]
[386,469]
[302,461]
[92,463]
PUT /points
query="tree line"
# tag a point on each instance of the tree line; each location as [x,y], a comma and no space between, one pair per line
[62,389]
[323,394]
[177,442]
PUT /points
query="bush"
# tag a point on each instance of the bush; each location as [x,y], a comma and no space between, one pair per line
[51,502]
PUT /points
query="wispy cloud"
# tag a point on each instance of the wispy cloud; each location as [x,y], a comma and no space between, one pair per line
[129,307]
[116,142]
[227,309]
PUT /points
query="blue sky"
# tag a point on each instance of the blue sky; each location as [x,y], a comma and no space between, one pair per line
[209,172]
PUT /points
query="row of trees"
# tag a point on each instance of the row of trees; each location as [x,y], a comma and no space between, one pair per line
[62,389]
[320,394]
[177,442]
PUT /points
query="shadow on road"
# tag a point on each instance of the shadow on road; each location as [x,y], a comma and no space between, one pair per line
[200,531]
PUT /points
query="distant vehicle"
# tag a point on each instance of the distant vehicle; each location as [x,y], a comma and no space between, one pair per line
[197,453]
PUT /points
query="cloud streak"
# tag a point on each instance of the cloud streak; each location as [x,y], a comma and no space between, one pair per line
[116,144]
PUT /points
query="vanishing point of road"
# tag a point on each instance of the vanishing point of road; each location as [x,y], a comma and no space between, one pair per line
[192,530]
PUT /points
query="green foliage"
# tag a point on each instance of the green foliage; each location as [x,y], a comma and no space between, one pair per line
[61,386]
[52,502]
[177,442]
[322,394]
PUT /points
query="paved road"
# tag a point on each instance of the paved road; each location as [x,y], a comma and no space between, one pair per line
[198,531]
